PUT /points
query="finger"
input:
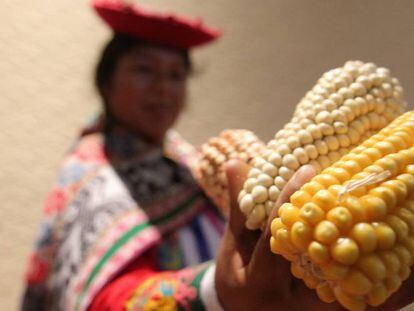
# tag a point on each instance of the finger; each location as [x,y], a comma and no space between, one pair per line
[245,239]
[302,176]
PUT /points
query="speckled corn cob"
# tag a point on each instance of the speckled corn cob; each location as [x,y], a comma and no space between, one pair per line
[349,232]
[346,106]
[230,144]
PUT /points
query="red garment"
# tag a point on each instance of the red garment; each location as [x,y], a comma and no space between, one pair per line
[114,295]
[165,29]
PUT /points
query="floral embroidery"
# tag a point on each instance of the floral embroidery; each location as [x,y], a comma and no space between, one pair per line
[166,291]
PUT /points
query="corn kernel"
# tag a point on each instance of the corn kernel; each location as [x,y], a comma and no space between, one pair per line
[386,236]
[393,283]
[398,226]
[334,271]
[341,217]
[386,194]
[325,292]
[289,215]
[326,232]
[345,251]
[324,199]
[348,301]
[356,283]
[365,236]
[377,295]
[375,207]
[318,253]
[276,225]
[299,198]
[301,235]
[391,262]
[311,213]
[373,267]
[355,207]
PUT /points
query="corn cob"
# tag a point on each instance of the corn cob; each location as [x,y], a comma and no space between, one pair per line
[349,232]
[345,107]
[230,144]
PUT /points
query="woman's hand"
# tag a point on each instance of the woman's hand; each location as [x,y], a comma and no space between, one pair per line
[250,277]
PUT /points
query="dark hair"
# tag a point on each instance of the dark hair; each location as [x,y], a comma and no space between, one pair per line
[114,50]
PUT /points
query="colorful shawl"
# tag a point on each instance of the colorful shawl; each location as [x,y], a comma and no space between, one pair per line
[101,215]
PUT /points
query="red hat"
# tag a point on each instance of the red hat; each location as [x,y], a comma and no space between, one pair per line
[166,29]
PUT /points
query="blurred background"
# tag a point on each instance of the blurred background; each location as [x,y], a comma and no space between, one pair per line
[272,52]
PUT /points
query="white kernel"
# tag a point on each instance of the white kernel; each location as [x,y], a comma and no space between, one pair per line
[283,149]
[259,194]
[275,159]
[329,104]
[340,127]
[344,140]
[290,162]
[334,156]
[247,204]
[274,193]
[279,182]
[338,99]
[293,142]
[270,169]
[365,81]
[358,89]
[350,115]
[286,173]
[315,131]
[358,126]
[254,172]
[311,151]
[339,115]
[353,136]
[326,129]
[269,205]
[332,142]
[301,155]
[324,117]
[305,137]
[257,215]
[321,147]
[264,180]
[345,93]
[250,183]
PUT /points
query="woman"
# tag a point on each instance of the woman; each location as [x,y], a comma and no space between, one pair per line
[125,218]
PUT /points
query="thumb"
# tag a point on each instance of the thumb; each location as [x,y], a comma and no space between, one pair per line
[245,240]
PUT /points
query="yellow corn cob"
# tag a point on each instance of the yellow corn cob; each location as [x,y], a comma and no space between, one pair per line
[349,232]
[346,106]
[230,144]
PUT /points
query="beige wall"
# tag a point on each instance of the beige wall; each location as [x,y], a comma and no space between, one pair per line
[272,52]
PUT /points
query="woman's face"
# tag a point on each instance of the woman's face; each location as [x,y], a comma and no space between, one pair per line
[147,91]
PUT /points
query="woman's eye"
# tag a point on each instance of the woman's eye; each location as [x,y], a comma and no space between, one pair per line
[143,68]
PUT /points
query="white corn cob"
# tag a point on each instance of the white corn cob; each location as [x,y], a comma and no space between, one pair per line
[345,107]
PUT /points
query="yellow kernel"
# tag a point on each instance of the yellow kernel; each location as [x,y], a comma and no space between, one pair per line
[297,270]
[345,251]
[301,235]
[397,142]
[388,164]
[339,173]
[403,255]
[283,237]
[356,283]
[311,281]
[318,253]
[311,213]
[375,207]
[348,301]
[408,243]
[407,216]
[299,198]
[377,295]
[325,199]
[410,169]
[334,271]
[399,189]
[326,232]
[275,246]
[289,215]
[355,207]
[373,153]
[326,180]
[259,194]
[407,137]
[325,292]
[385,194]
[364,235]
[399,159]
[400,227]
[282,207]
[312,187]
[408,180]
[404,272]
[393,283]
[391,262]
[276,225]
[341,217]
[363,160]
[373,267]
[351,167]
[385,147]
[386,236]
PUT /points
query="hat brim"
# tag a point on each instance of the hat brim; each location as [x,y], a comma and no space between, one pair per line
[164,29]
